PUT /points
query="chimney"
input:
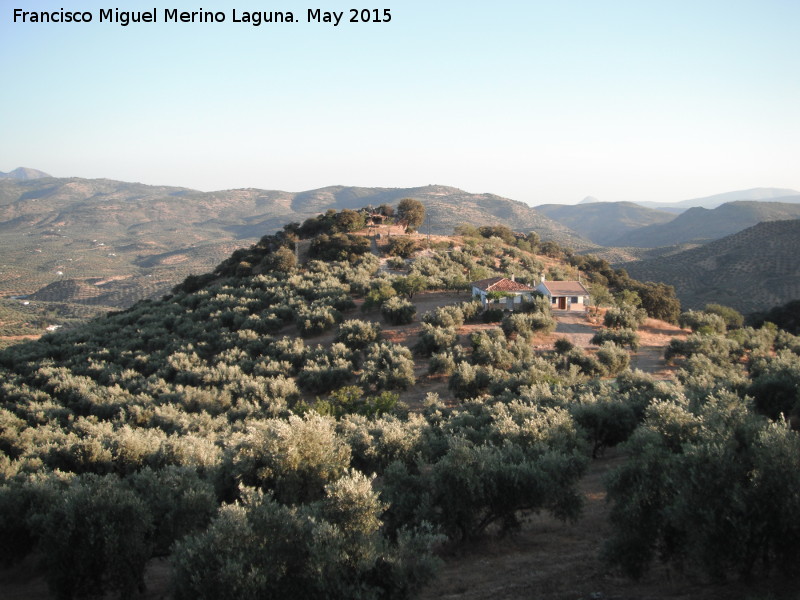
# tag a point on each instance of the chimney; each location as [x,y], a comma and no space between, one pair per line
[542,277]
[512,277]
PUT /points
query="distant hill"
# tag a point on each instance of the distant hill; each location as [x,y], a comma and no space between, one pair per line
[700,225]
[604,222]
[758,194]
[118,242]
[752,270]
[23,174]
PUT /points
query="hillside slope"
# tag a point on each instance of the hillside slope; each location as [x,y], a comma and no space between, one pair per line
[752,270]
[604,222]
[153,236]
[699,225]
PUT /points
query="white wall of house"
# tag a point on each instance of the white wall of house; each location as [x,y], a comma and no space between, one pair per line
[571,302]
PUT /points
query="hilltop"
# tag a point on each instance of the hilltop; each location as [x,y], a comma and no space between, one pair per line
[145,239]
[23,174]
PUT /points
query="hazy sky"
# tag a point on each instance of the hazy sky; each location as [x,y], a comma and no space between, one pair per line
[540,101]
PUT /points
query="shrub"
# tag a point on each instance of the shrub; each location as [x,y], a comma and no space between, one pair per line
[444,316]
[624,317]
[294,458]
[468,381]
[722,499]
[410,285]
[435,339]
[492,315]
[620,337]
[474,486]
[563,345]
[613,358]
[178,501]
[316,319]
[606,421]
[733,318]
[323,374]
[338,246]
[331,549]
[96,539]
[388,367]
[357,335]
[396,263]
[470,310]
[397,311]
[402,246]
[699,321]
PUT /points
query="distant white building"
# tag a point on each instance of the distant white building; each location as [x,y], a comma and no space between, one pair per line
[565,295]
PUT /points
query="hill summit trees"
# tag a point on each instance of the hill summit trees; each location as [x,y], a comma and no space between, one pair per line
[410,213]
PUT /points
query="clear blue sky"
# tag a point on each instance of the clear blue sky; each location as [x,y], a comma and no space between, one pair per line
[540,101]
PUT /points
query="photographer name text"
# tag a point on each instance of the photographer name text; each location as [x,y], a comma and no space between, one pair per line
[125,18]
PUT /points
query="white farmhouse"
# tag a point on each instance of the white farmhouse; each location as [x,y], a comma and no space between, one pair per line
[565,295]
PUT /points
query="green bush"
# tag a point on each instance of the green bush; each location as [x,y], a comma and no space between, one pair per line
[402,246]
[709,488]
[703,322]
[96,540]
[293,459]
[606,420]
[445,316]
[388,367]
[435,339]
[331,549]
[624,317]
[472,487]
[357,335]
[397,311]
[620,337]
[493,315]
[613,358]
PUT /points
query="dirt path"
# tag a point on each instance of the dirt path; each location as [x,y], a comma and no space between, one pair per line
[575,327]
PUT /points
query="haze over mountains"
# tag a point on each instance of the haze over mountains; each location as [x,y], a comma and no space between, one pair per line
[111,243]
[604,222]
[23,174]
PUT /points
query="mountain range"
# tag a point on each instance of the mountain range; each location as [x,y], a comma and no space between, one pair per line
[701,225]
[762,194]
[750,270]
[127,241]
[23,174]
[604,222]
[109,243]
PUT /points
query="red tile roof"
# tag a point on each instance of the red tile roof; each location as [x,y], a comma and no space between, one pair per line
[501,284]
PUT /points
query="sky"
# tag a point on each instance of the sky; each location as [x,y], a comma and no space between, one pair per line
[538,101]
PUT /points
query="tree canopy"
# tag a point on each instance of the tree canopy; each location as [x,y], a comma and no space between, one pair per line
[411,213]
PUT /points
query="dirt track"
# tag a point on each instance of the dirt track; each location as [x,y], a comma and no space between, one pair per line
[575,327]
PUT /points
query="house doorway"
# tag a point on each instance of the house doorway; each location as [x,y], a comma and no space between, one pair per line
[562,304]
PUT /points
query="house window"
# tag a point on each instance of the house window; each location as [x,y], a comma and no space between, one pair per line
[575,299]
